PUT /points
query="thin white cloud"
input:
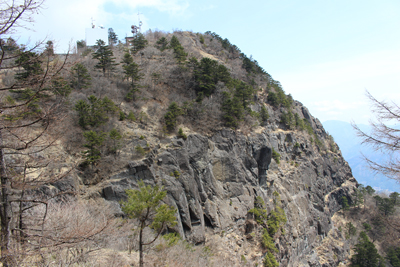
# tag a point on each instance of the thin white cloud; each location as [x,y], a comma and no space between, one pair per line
[63,21]
[335,90]
[337,73]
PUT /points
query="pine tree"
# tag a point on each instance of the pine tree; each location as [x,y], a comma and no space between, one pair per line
[145,205]
[162,44]
[207,73]
[80,76]
[345,203]
[93,143]
[105,56]
[179,51]
[112,37]
[131,70]
[244,92]
[172,113]
[115,136]
[31,64]
[395,197]
[233,110]
[139,42]
[264,115]
[365,253]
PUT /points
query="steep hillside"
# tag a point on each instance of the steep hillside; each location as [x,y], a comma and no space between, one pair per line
[352,151]
[192,113]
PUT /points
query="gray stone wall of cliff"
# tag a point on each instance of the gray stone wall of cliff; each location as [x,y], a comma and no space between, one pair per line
[220,176]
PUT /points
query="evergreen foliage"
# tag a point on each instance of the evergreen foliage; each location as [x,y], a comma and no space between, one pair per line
[278,96]
[386,206]
[269,260]
[93,143]
[31,65]
[393,256]
[145,205]
[172,114]
[243,92]
[81,44]
[131,116]
[276,156]
[60,86]
[379,227]
[112,37]
[277,216]
[122,116]
[267,241]
[271,222]
[259,212]
[207,73]
[249,64]
[181,134]
[288,119]
[370,190]
[115,136]
[94,112]
[233,110]
[365,253]
[132,73]
[140,150]
[264,116]
[104,55]
[80,77]
[395,198]
[201,38]
[139,42]
[179,51]
[162,44]
[345,204]
[358,197]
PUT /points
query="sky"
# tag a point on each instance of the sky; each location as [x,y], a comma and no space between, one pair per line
[324,53]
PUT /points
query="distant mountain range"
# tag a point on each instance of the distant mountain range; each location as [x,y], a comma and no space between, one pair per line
[351,148]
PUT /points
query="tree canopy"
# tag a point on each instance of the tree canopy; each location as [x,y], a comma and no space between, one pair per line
[145,205]
[105,57]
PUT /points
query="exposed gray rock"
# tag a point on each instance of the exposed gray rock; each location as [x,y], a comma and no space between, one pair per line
[221,175]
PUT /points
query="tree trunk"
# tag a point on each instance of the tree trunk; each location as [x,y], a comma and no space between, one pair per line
[5,209]
[141,244]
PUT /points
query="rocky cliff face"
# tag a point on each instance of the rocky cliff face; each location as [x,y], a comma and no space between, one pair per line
[213,182]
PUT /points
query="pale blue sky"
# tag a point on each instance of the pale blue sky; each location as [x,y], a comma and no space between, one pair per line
[325,53]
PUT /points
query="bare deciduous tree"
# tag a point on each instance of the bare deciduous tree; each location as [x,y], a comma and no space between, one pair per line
[384,137]
[31,105]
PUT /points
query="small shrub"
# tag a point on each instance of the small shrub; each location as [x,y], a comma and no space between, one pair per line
[131,116]
[176,174]
[276,156]
[142,137]
[172,114]
[297,145]
[172,239]
[181,134]
[122,116]
[140,150]
[264,115]
[202,39]
[243,258]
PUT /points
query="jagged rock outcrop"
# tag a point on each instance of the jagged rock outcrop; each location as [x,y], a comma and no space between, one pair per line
[214,180]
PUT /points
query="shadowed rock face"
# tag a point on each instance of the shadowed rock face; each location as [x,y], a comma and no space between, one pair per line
[221,175]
